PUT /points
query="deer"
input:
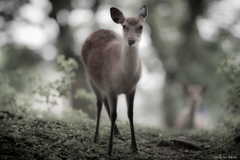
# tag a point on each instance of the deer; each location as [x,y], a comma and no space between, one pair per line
[192,115]
[113,67]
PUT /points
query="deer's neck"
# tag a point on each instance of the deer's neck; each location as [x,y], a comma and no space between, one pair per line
[129,59]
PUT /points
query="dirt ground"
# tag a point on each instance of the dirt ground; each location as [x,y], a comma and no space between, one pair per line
[55,139]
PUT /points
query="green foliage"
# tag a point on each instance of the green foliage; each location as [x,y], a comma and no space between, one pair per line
[90,97]
[40,90]
[67,66]
[10,98]
[229,69]
[60,88]
[50,91]
[75,116]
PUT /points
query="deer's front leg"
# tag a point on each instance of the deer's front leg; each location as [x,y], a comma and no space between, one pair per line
[130,100]
[112,100]
[116,131]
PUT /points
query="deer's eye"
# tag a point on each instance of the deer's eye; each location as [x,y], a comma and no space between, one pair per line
[141,27]
[124,27]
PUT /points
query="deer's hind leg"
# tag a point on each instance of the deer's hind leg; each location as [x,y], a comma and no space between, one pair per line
[99,109]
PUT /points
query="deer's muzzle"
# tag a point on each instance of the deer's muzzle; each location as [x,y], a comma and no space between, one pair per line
[131,41]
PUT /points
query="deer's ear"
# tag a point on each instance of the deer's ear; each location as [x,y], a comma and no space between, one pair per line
[117,15]
[204,88]
[143,13]
[185,86]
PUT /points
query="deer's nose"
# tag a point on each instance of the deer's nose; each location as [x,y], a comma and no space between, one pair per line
[131,41]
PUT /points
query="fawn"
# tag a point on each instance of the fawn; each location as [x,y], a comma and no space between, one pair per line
[190,117]
[113,67]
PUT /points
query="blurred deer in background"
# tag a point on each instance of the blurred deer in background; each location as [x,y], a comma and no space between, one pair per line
[194,115]
[113,67]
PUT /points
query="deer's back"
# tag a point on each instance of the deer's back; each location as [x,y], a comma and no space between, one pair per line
[100,53]
[97,42]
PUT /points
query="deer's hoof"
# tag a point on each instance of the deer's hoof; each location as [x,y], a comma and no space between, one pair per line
[95,139]
[134,149]
[109,153]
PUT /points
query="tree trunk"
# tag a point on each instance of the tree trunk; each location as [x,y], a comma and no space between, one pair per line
[65,45]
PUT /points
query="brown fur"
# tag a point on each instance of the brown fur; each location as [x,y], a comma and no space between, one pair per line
[133,21]
[102,53]
[187,118]
[113,67]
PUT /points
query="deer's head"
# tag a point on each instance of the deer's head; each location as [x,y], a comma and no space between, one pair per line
[195,91]
[132,26]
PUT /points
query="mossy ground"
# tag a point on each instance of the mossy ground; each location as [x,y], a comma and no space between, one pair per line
[64,139]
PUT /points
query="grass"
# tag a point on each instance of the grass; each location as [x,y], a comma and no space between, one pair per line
[70,138]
